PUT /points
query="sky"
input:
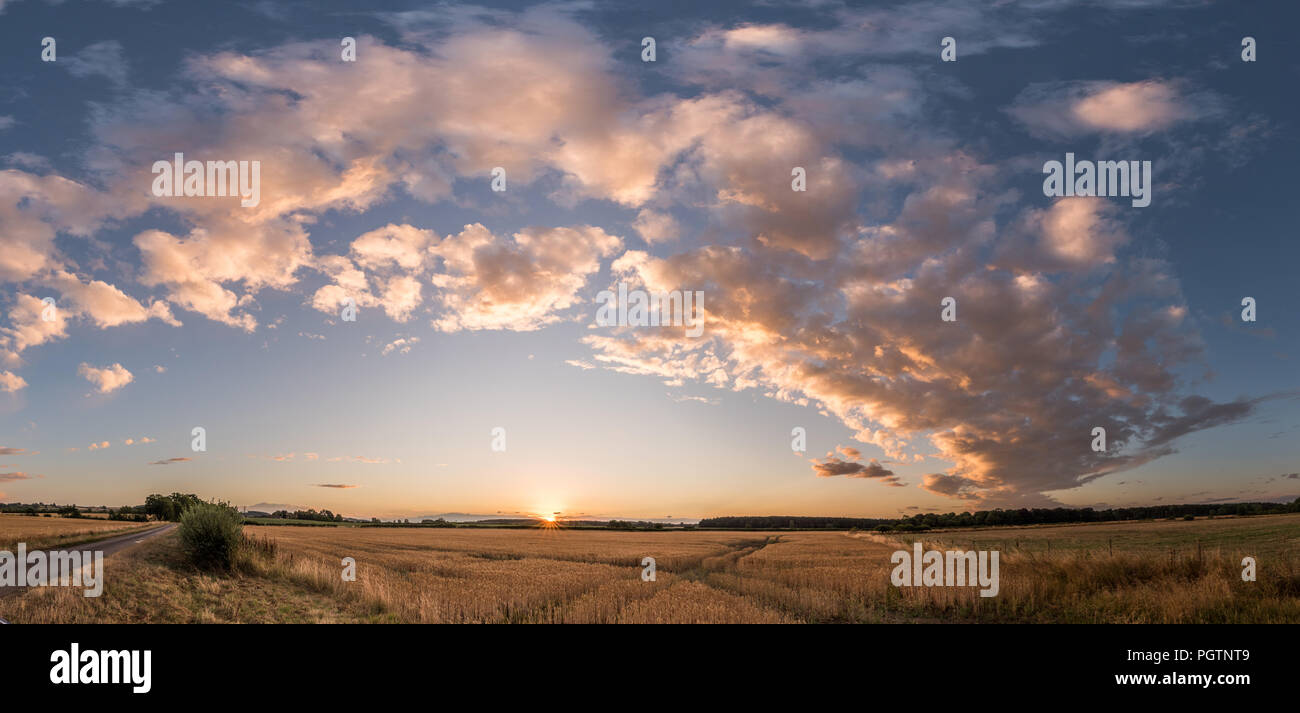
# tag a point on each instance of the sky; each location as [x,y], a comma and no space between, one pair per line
[825,380]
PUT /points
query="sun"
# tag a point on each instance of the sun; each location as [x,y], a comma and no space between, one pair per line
[549,518]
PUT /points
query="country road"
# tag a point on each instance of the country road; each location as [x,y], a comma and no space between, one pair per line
[109,546]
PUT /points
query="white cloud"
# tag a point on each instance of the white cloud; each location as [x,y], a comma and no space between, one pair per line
[106,379]
[11,382]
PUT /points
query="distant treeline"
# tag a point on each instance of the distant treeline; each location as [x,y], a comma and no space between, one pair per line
[784,522]
[634,525]
[998,518]
[309,514]
[31,508]
[125,512]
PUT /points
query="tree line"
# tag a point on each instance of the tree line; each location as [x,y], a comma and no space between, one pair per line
[308,514]
[999,517]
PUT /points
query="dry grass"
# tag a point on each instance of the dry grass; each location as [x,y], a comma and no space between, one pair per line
[152,583]
[463,575]
[46,532]
[521,576]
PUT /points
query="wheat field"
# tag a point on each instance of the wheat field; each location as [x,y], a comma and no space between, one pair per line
[46,532]
[1153,572]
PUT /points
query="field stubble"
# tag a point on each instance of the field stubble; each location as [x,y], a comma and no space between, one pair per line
[1131,572]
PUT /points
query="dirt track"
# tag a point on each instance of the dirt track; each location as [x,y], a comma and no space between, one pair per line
[109,546]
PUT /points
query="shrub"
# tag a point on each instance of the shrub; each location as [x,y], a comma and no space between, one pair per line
[210,533]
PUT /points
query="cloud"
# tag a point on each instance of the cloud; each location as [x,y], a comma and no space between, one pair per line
[954,486]
[401,346]
[826,298]
[105,305]
[1008,393]
[859,32]
[656,227]
[28,326]
[849,452]
[1081,231]
[11,477]
[193,275]
[1065,109]
[11,451]
[169,461]
[421,121]
[98,446]
[402,246]
[101,59]
[519,284]
[333,485]
[832,466]
[34,209]
[97,302]
[384,268]
[11,382]
[106,379]
[684,398]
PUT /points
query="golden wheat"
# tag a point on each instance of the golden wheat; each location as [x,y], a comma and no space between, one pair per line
[1131,572]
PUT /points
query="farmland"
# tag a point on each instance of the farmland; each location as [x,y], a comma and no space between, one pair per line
[1153,571]
[46,532]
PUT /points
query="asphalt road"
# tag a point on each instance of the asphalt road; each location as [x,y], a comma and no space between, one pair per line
[109,546]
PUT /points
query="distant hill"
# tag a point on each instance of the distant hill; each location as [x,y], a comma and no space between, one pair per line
[272,507]
[448,516]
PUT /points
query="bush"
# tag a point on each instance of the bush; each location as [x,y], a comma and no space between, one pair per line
[210,533]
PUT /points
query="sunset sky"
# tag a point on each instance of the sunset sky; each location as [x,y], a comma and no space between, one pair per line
[477,309]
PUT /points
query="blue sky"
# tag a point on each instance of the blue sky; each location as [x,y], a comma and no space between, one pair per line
[924,180]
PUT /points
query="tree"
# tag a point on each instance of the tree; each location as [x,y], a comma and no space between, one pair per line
[160,506]
[170,507]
